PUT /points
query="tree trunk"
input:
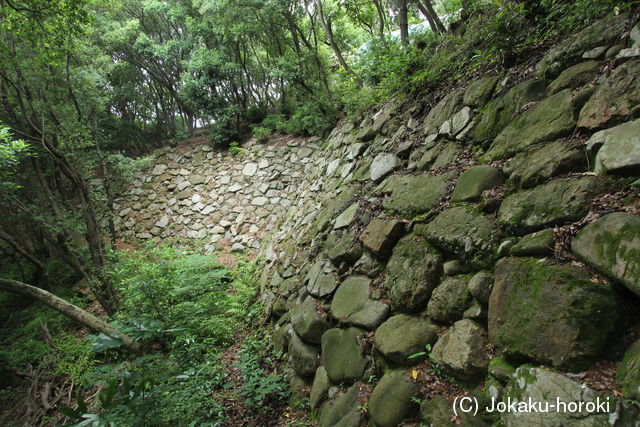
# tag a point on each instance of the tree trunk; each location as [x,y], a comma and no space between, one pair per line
[326,24]
[426,8]
[84,318]
[41,270]
[403,22]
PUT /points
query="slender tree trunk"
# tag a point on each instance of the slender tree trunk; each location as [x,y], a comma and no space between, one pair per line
[381,20]
[41,271]
[334,46]
[403,22]
[84,318]
[426,7]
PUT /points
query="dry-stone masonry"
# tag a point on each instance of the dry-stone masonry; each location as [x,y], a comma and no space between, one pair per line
[501,227]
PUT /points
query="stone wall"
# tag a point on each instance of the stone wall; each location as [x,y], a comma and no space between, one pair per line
[498,231]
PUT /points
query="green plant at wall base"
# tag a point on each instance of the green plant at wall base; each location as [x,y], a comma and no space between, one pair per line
[423,353]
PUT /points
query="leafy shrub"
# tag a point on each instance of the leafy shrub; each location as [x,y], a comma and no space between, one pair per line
[261,134]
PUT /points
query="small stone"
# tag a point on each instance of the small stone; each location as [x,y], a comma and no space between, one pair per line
[250,169]
[383,164]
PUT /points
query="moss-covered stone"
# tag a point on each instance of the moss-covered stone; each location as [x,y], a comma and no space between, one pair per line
[413,272]
[308,323]
[321,385]
[618,149]
[629,372]
[500,369]
[302,356]
[461,351]
[479,91]
[449,300]
[351,303]
[390,402]
[402,336]
[612,245]
[614,99]
[549,119]
[333,205]
[570,50]
[465,233]
[575,76]
[436,411]
[442,111]
[411,195]
[569,332]
[481,285]
[545,161]
[342,411]
[381,235]
[500,112]
[341,355]
[343,247]
[540,243]
[473,181]
[551,204]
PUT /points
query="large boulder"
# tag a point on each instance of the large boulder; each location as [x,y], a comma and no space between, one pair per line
[351,304]
[612,245]
[559,201]
[629,372]
[500,112]
[381,235]
[549,119]
[540,243]
[390,402]
[567,402]
[473,181]
[545,161]
[341,355]
[413,272]
[449,300]
[302,356]
[479,91]
[461,351]
[402,336]
[571,49]
[465,233]
[383,165]
[575,76]
[614,99]
[618,149]
[569,332]
[307,323]
[342,411]
[442,111]
[411,195]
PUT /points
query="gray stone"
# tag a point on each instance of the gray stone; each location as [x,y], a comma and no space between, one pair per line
[250,169]
[436,411]
[551,204]
[540,243]
[380,236]
[162,222]
[473,181]
[383,164]
[545,161]
[402,336]
[390,402]
[547,120]
[501,111]
[259,201]
[413,272]
[461,351]
[595,53]
[612,245]
[324,285]
[614,99]
[464,232]
[351,303]
[411,195]
[368,266]
[449,300]
[159,169]
[302,356]
[454,125]
[571,49]
[570,332]
[442,111]
[308,324]
[481,285]
[343,247]
[575,76]
[342,411]
[341,355]
[618,149]
[346,217]
[479,92]
[321,385]
[543,385]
